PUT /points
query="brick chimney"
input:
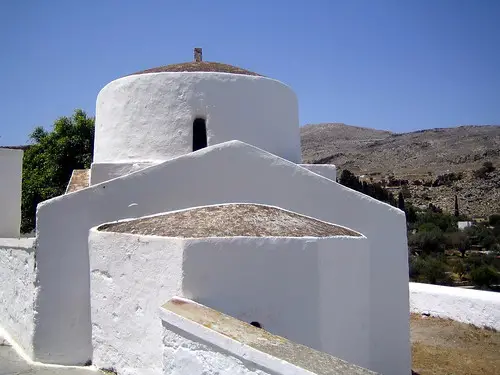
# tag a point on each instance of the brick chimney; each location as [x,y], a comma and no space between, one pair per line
[198,55]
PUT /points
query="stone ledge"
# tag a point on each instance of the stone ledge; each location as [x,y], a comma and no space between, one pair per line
[18,243]
[256,345]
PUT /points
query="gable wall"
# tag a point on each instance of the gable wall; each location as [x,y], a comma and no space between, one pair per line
[226,173]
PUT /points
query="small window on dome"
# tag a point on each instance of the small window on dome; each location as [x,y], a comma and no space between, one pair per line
[199,134]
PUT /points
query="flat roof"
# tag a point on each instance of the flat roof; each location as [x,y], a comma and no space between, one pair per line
[230,220]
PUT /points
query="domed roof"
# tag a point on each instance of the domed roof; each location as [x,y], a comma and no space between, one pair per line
[199,66]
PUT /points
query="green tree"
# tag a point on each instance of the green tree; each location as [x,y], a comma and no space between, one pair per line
[482,235]
[50,160]
[457,212]
[494,220]
[435,271]
[460,268]
[484,276]
[427,241]
[445,221]
[411,216]
[401,202]
[459,241]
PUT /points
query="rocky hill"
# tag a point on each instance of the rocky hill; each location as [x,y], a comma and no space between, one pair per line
[419,157]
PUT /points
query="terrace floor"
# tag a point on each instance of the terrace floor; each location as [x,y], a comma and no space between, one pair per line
[445,347]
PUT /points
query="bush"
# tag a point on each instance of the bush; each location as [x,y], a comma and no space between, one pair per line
[406,192]
[484,276]
[415,266]
[460,268]
[447,179]
[428,227]
[494,220]
[445,221]
[484,170]
[481,235]
[458,241]
[432,270]
[427,241]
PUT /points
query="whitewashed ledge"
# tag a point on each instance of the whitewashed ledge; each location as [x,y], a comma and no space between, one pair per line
[476,307]
[199,340]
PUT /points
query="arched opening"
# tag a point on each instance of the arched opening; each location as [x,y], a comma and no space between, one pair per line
[256,324]
[199,134]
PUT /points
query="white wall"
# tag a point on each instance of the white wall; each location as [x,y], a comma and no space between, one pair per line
[11,168]
[345,313]
[225,173]
[107,171]
[17,290]
[130,277]
[476,307]
[309,290]
[190,348]
[150,116]
[312,291]
[326,170]
[185,354]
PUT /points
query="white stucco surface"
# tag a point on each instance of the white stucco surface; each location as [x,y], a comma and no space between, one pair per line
[17,290]
[130,277]
[198,339]
[100,172]
[477,307]
[313,291]
[188,348]
[149,117]
[186,354]
[309,290]
[225,173]
[326,170]
[11,167]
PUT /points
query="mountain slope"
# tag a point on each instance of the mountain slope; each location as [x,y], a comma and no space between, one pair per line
[417,156]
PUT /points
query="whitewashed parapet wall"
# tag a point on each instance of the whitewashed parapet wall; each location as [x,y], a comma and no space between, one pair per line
[314,291]
[198,340]
[17,290]
[11,166]
[477,307]
[249,175]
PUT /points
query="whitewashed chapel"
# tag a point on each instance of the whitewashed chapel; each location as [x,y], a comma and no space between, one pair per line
[197,224]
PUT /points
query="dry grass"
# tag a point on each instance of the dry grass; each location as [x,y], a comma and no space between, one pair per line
[230,220]
[202,66]
[442,347]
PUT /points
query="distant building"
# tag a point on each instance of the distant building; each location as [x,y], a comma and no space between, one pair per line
[464,224]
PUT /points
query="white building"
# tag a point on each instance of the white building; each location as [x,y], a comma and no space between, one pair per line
[190,138]
[11,161]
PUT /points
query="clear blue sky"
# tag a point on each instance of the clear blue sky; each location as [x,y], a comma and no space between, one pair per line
[399,65]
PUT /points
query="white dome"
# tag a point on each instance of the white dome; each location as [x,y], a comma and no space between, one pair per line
[149,117]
